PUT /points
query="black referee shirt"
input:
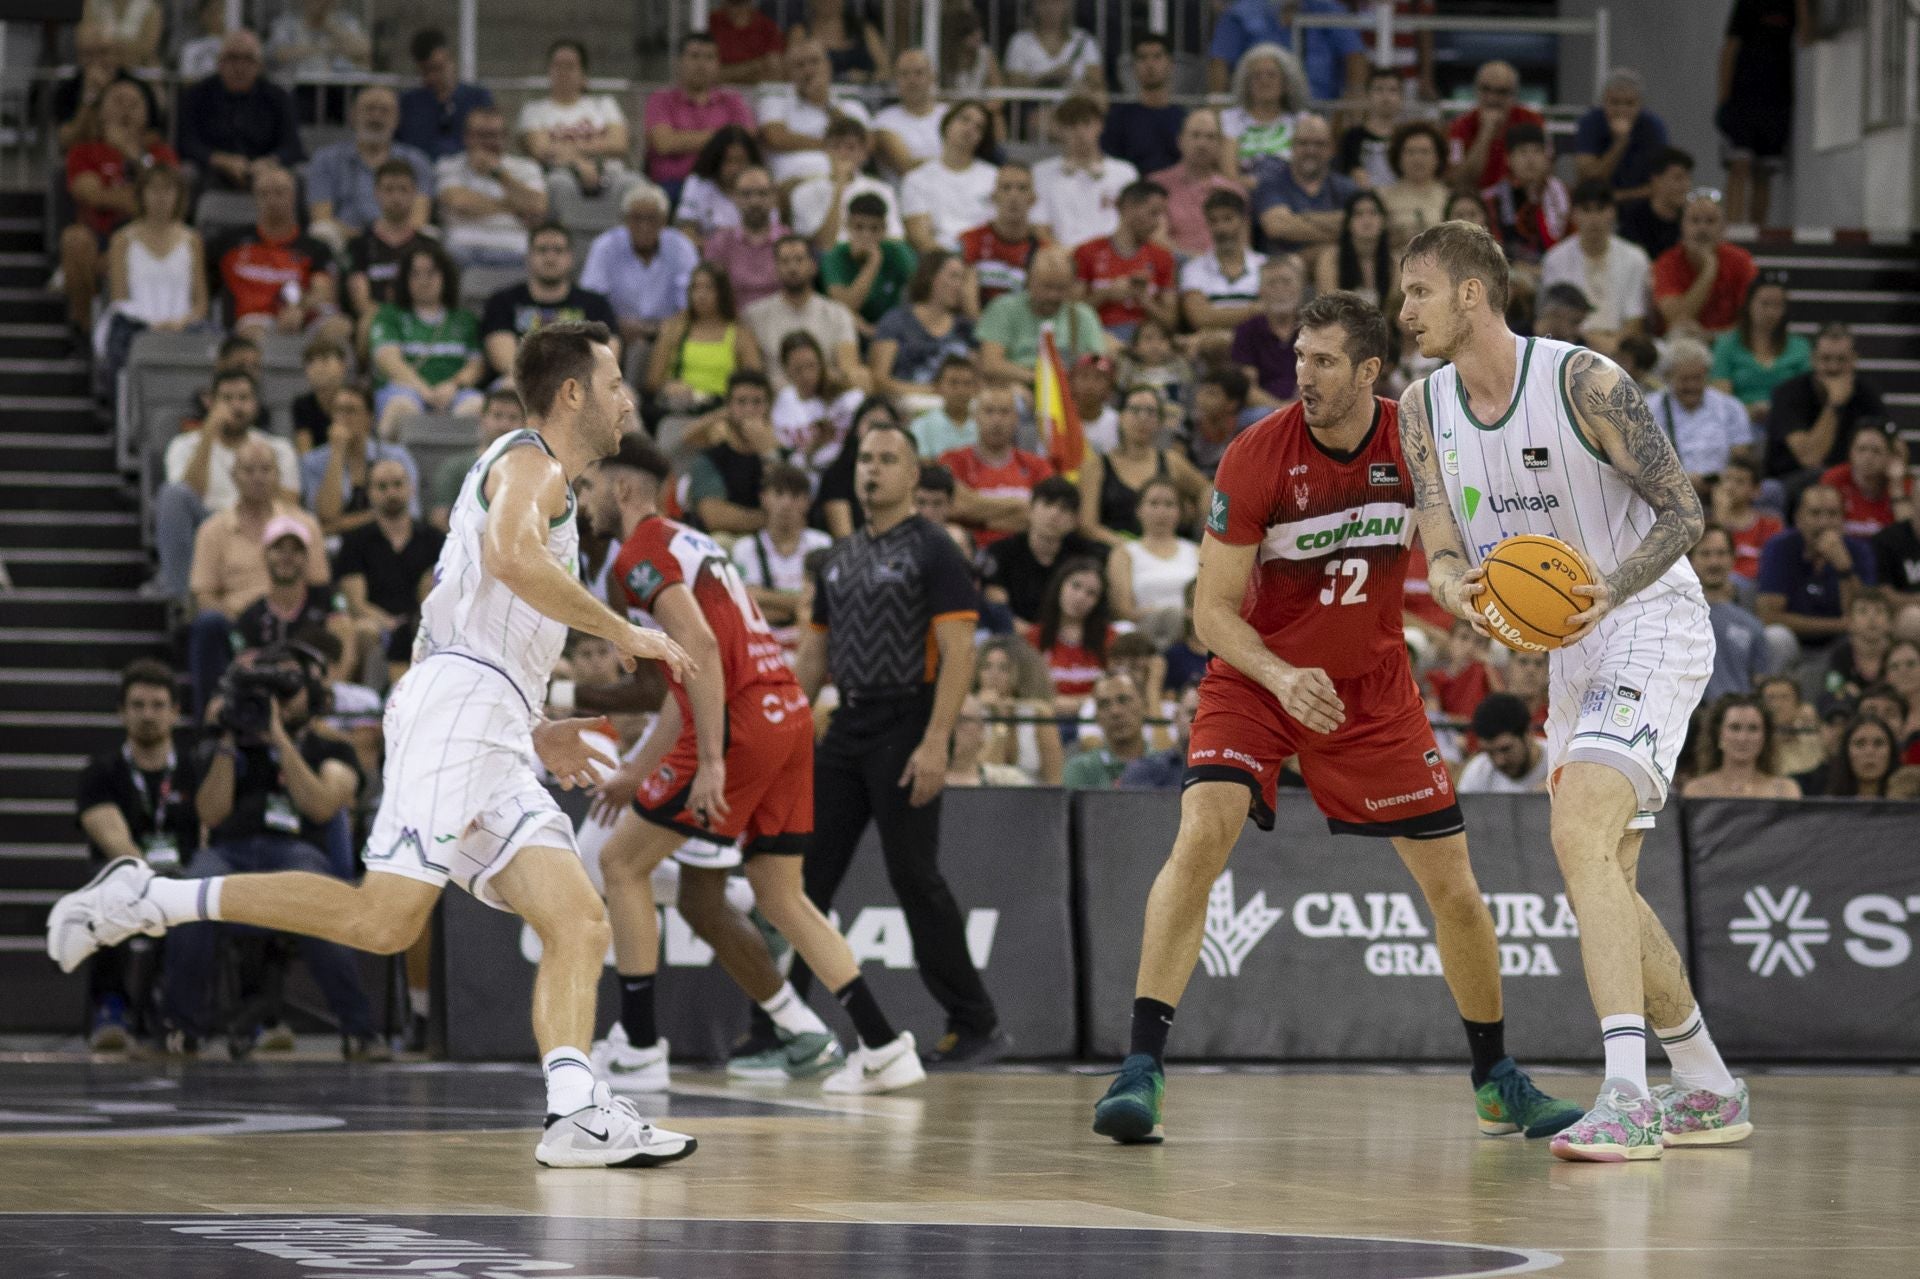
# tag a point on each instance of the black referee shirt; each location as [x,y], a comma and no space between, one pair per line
[879,599]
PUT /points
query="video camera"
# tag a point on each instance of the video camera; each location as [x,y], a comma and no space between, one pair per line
[253,684]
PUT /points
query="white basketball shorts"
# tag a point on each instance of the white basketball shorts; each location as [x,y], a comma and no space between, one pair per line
[462,792]
[1624,695]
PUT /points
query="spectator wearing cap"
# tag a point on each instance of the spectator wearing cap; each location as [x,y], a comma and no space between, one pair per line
[1616,141]
[1120,712]
[868,271]
[1609,271]
[1653,222]
[1561,313]
[793,125]
[340,179]
[489,200]
[1263,342]
[798,307]
[641,267]
[822,206]
[1126,276]
[1015,570]
[1743,651]
[1813,417]
[1145,132]
[1810,573]
[235,119]
[1708,427]
[1703,278]
[1873,483]
[745,250]
[1527,209]
[1079,190]
[1477,139]
[1511,760]
[1299,201]
[262,550]
[1219,290]
[1755,114]
[1009,330]
[433,113]
[1192,180]
[683,117]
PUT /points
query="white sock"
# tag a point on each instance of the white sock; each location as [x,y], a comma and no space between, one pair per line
[1696,1062]
[1625,1037]
[417,1002]
[791,1013]
[569,1081]
[186,901]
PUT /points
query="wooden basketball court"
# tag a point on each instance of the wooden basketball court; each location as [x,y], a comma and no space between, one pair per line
[312,1168]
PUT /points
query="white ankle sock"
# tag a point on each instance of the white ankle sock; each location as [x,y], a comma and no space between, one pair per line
[569,1081]
[791,1013]
[186,901]
[1696,1062]
[1625,1037]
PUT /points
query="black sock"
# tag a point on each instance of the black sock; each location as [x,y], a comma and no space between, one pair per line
[636,1010]
[1488,1042]
[869,1022]
[1152,1020]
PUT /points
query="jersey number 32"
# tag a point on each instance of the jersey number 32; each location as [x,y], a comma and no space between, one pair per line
[1355,571]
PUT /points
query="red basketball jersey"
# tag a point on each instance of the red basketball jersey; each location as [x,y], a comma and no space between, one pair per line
[660,552]
[1333,534]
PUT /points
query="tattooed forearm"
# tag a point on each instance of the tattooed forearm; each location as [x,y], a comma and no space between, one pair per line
[1614,412]
[1446,556]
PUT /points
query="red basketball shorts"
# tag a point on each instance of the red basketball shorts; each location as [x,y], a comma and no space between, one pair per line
[769,758]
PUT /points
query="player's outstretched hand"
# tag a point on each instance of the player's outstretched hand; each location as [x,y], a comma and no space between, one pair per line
[1307,694]
[643,643]
[570,759]
[613,793]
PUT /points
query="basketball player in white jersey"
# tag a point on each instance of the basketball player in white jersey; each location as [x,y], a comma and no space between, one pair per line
[1527,435]
[463,800]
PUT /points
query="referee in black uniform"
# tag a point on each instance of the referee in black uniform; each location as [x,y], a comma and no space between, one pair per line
[893,619]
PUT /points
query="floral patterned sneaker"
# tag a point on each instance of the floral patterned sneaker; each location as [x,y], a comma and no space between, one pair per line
[1623,1125]
[1701,1117]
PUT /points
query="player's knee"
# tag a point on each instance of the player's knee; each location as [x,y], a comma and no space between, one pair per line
[390,930]
[1202,849]
[703,898]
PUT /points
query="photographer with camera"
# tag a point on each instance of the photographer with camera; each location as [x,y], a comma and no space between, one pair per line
[136,801]
[270,787]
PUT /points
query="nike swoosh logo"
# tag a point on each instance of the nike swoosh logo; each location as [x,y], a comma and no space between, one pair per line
[597,1136]
[871,1072]
[616,1068]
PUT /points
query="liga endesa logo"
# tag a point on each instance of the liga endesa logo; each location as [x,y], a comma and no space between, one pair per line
[1399,938]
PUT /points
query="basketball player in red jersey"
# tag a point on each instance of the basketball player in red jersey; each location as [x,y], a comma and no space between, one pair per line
[1300,598]
[731,759]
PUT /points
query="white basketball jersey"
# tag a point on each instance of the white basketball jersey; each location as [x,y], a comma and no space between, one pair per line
[474,615]
[1532,471]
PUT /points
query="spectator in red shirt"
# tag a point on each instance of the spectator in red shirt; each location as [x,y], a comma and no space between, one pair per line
[1126,276]
[750,43]
[1463,679]
[1477,140]
[1528,209]
[1073,632]
[1703,278]
[998,251]
[993,480]
[1746,524]
[116,143]
[683,117]
[1872,481]
[274,275]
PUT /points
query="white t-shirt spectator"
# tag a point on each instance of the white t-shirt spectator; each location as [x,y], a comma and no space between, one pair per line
[1026,55]
[1480,777]
[705,205]
[1162,584]
[221,495]
[1617,293]
[1203,275]
[585,120]
[806,119]
[794,421]
[919,133]
[814,197]
[1706,436]
[958,202]
[761,564]
[1080,204]
[500,232]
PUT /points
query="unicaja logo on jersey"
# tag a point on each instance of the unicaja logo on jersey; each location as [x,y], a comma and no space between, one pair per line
[1231,935]
[1789,911]
[1471,497]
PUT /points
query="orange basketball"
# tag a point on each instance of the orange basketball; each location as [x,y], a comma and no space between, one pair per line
[1529,592]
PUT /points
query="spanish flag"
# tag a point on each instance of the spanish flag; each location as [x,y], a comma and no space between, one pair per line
[1062,437]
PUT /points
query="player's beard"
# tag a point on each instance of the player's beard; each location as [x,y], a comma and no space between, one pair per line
[1330,409]
[1453,336]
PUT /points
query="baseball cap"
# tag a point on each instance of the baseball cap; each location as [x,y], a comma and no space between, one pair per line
[286,526]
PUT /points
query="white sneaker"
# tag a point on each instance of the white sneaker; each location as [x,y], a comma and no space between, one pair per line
[626,1068]
[883,1069]
[609,1134]
[112,907]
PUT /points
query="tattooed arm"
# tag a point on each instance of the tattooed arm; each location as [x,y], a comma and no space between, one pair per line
[1611,412]
[1453,583]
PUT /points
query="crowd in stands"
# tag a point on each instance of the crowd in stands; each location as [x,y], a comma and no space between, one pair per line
[784,266]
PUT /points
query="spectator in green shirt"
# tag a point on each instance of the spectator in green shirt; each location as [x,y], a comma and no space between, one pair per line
[1009,330]
[1757,353]
[426,349]
[503,413]
[866,272]
[1121,715]
[951,425]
